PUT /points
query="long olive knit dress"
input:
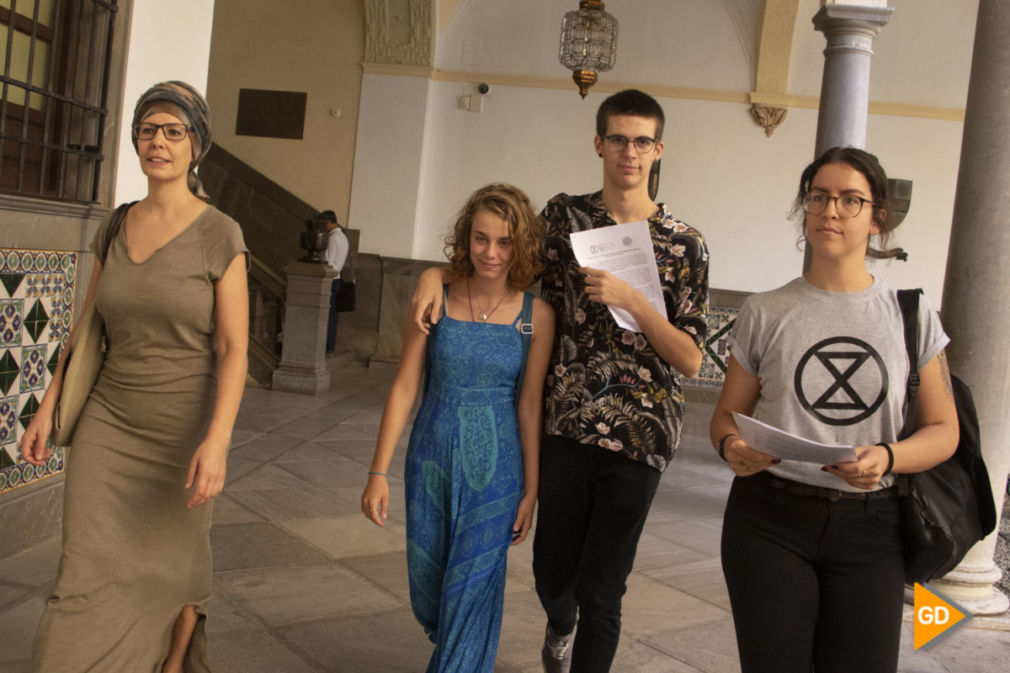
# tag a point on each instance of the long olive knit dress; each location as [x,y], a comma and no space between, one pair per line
[133,554]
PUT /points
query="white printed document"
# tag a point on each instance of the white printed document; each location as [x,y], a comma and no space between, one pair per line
[787,446]
[624,250]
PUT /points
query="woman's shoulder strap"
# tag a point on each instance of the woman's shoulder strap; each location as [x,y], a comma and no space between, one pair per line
[115,223]
[526,330]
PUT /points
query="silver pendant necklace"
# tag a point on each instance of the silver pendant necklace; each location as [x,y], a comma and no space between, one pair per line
[483,315]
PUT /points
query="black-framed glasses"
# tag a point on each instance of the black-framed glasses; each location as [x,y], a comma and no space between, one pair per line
[642,144]
[173,132]
[847,205]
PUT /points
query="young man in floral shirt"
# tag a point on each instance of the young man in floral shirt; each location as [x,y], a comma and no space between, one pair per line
[613,404]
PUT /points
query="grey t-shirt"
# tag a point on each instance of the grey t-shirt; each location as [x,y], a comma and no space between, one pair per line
[832,365]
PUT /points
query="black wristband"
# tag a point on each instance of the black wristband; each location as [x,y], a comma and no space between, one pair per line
[890,457]
[722,444]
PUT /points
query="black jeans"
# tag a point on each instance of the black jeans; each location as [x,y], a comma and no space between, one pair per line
[814,583]
[593,505]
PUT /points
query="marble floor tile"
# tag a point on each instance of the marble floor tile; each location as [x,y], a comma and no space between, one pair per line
[265,477]
[312,452]
[267,446]
[17,624]
[522,636]
[702,533]
[351,535]
[388,571]
[240,436]
[386,642]
[258,545]
[651,607]
[702,579]
[657,552]
[709,646]
[309,426]
[255,651]
[350,431]
[225,616]
[285,595]
[328,474]
[33,567]
[238,467]
[227,511]
[13,593]
[305,502]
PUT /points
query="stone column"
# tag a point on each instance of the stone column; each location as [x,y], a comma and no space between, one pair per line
[975,311]
[845,86]
[303,353]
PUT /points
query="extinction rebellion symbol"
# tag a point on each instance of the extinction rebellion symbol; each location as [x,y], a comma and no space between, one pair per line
[841,380]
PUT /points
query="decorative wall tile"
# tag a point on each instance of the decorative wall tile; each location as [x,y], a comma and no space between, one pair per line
[715,354]
[36,314]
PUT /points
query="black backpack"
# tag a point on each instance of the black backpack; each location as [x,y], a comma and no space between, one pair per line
[949,507]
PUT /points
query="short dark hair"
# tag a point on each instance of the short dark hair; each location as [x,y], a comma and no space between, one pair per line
[328,215]
[630,102]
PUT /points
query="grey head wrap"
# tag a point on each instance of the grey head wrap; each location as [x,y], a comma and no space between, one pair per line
[194,107]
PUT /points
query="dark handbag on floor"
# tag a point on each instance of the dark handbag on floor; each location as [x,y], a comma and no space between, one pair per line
[84,358]
[949,507]
[347,297]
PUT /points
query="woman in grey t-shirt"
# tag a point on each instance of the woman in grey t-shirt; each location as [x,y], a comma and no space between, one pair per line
[812,553]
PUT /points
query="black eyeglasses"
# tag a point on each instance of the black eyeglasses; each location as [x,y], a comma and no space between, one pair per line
[643,144]
[847,205]
[173,132]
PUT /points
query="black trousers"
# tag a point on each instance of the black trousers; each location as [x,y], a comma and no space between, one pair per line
[814,583]
[593,505]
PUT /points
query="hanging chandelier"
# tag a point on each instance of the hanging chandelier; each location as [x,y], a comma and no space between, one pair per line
[588,43]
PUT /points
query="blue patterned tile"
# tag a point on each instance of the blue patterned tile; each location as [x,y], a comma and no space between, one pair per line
[33,368]
[11,321]
[37,290]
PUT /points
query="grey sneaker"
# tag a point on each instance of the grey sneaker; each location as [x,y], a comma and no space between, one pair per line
[556,655]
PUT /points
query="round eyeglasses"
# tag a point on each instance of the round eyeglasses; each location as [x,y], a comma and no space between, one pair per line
[173,132]
[847,205]
[642,144]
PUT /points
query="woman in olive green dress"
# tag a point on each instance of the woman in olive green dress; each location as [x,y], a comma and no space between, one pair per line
[148,455]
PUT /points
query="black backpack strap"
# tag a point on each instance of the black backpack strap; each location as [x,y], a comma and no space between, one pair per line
[908,300]
[526,329]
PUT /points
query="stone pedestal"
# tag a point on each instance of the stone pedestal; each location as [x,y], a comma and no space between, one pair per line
[303,354]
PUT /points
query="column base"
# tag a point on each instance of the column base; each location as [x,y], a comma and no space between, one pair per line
[300,379]
[973,589]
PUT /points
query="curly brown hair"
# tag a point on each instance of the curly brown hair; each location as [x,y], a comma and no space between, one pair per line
[526,231]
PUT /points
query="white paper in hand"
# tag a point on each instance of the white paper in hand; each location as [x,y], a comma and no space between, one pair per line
[624,250]
[787,446]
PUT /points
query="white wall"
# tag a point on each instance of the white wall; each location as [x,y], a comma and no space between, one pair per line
[720,172]
[168,40]
[310,46]
[387,163]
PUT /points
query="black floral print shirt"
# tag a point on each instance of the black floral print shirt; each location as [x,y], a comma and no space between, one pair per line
[606,385]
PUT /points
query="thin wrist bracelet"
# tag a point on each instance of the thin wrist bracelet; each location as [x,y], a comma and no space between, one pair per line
[378,474]
[722,444]
[890,457]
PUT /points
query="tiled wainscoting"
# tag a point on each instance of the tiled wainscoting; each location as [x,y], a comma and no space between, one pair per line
[723,307]
[36,314]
